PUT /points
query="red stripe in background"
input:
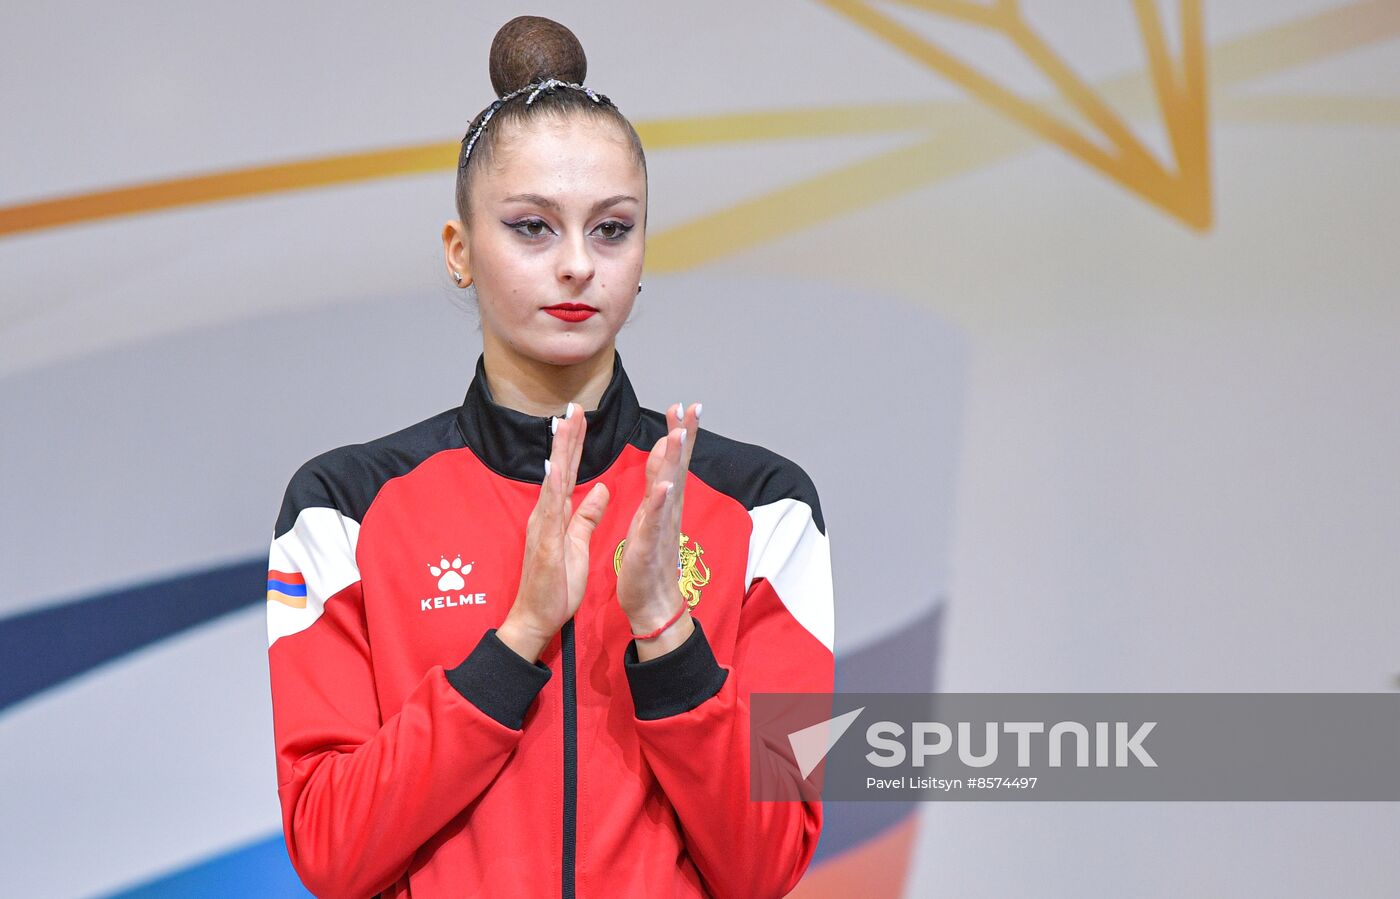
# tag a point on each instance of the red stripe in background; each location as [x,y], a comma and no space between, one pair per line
[286,577]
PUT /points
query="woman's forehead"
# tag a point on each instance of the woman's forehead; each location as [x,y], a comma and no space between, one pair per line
[578,156]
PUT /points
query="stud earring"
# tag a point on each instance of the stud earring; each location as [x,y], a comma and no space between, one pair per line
[458,276]
[639,288]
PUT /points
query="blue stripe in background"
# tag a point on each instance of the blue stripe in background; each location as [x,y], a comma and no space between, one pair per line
[44,648]
[261,869]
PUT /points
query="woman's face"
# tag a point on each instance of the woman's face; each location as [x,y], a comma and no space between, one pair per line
[558,219]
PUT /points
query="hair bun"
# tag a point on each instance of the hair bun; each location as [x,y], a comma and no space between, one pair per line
[529,48]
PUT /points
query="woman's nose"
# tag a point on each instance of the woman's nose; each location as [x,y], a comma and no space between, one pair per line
[575,260]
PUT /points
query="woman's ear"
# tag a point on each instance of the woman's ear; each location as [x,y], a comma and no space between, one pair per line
[455,253]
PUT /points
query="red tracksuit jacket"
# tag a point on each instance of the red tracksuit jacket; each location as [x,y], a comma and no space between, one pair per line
[417,755]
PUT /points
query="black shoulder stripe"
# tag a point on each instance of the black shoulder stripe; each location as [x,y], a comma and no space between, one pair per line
[751,474]
[348,478]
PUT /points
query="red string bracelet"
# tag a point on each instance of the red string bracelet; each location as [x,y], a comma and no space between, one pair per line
[674,618]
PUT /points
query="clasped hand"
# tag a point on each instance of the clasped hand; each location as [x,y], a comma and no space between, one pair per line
[554,574]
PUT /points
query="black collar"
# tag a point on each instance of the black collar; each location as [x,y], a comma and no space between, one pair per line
[515,444]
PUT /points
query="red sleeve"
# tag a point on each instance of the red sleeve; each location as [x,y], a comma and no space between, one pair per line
[360,796]
[692,713]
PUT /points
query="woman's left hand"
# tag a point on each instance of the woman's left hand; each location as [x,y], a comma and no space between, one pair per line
[647,580]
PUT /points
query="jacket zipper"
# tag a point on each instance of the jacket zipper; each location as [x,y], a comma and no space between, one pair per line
[570,758]
[566,643]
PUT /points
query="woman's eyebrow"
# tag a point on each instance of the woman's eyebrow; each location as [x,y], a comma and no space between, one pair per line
[551,204]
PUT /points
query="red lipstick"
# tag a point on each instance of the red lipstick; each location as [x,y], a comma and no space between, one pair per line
[570,312]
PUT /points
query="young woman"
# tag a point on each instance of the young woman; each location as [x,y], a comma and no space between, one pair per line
[489,670]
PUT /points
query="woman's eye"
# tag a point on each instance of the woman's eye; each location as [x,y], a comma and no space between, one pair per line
[616,230]
[531,227]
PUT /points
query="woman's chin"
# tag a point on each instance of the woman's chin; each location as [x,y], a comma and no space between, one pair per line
[567,350]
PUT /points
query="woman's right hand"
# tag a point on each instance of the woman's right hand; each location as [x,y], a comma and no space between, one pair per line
[555,570]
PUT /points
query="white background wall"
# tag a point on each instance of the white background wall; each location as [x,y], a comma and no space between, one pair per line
[1135,455]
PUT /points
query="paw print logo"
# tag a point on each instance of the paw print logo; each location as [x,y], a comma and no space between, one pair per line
[450,575]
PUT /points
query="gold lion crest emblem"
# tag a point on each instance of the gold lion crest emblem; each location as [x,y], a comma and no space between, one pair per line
[695,574]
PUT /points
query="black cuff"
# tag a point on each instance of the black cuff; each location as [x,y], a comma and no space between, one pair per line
[498,680]
[675,682]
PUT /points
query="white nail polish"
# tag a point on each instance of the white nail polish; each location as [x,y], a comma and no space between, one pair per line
[698,407]
[553,425]
[682,439]
[569,412]
[680,413]
[546,468]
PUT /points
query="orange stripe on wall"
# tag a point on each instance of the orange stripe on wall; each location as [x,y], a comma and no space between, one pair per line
[1272,49]
[248,182]
[876,869]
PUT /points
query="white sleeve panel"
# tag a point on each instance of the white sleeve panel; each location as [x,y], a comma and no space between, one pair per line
[321,547]
[786,548]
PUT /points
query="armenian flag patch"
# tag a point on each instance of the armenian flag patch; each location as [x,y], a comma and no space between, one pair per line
[287,587]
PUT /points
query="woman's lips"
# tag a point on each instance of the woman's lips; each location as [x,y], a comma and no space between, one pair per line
[570,312]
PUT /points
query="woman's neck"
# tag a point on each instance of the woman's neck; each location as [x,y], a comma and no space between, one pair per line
[539,388]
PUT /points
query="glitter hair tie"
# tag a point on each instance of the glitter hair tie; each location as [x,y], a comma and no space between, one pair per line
[534,87]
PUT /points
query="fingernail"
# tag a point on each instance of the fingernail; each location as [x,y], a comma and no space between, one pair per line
[546,468]
[698,407]
[682,439]
[680,414]
[669,488]
[569,412]
[553,425]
